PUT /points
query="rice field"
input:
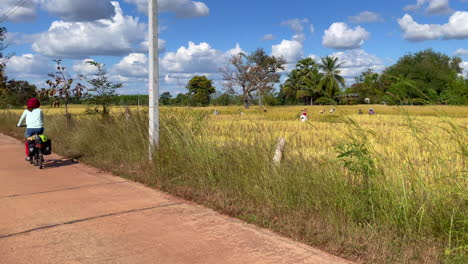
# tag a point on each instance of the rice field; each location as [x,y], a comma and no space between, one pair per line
[420,136]
[386,188]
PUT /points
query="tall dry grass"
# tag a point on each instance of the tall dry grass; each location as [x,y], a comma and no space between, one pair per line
[382,189]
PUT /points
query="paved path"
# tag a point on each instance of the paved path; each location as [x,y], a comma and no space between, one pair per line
[71,213]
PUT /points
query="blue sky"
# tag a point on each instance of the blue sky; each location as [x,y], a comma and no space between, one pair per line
[199,37]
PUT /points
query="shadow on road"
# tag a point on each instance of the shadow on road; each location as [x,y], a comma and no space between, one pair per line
[57,163]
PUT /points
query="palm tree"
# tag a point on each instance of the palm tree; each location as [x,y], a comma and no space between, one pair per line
[303,82]
[332,81]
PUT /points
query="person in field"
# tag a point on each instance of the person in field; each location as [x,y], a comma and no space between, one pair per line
[372,112]
[304,117]
[34,120]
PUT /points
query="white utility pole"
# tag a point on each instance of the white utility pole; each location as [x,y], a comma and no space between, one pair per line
[153,77]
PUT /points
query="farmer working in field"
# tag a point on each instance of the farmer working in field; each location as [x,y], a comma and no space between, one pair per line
[304,115]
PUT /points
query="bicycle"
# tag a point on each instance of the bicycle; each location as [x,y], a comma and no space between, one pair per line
[37,159]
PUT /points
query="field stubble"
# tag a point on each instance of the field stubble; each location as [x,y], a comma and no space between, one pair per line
[389,188]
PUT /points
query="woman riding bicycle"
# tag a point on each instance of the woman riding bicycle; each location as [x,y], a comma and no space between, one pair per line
[34,119]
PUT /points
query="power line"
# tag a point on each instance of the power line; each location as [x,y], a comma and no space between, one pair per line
[12,10]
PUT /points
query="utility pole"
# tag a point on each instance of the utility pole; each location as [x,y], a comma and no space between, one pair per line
[153,77]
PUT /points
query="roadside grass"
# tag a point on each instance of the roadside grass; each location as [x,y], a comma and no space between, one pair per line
[388,190]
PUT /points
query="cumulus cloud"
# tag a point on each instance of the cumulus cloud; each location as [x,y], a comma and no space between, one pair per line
[22,13]
[28,66]
[461,52]
[366,17]
[433,7]
[298,26]
[464,65]
[341,36]
[181,8]
[106,37]
[456,28]
[68,10]
[84,68]
[291,50]
[355,62]
[197,58]
[132,65]
[176,68]
[82,10]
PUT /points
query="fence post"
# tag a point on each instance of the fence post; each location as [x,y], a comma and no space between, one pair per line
[279,151]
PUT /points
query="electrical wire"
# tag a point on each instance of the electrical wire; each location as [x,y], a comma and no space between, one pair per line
[12,10]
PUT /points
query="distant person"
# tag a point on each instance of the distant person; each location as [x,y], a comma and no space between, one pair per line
[322,111]
[215,112]
[332,111]
[264,109]
[372,112]
[360,112]
[34,120]
[304,116]
[241,113]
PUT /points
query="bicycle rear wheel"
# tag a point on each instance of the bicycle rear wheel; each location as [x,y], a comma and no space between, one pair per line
[35,159]
[41,160]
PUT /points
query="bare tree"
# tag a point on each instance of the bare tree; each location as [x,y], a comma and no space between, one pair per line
[257,72]
[61,86]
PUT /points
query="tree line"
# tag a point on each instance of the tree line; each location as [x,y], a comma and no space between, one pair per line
[425,77]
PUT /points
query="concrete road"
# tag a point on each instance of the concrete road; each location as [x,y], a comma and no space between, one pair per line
[71,213]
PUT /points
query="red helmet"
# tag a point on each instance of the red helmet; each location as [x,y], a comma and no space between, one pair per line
[33,103]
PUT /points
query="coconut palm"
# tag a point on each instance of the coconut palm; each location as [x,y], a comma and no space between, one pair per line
[303,82]
[332,81]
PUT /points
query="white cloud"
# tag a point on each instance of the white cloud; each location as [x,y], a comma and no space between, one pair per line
[298,25]
[366,17]
[456,28]
[461,52]
[268,37]
[106,37]
[291,50]
[82,10]
[84,68]
[182,8]
[23,13]
[341,36]
[133,65]
[355,62]
[196,58]
[68,10]
[464,65]
[177,66]
[434,7]
[28,66]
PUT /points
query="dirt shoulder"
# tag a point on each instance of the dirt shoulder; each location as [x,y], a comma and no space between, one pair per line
[72,213]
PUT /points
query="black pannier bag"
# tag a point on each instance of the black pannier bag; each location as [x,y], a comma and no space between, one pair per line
[46,147]
[32,147]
